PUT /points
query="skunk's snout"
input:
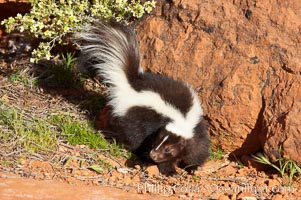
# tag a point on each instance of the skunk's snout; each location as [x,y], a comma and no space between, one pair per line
[157,156]
[153,155]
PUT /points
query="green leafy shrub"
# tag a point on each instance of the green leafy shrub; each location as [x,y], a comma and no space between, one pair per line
[282,165]
[53,21]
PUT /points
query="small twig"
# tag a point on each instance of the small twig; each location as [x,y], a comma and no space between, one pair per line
[236,179]
[74,148]
[84,178]
[114,159]
[5,86]
[11,153]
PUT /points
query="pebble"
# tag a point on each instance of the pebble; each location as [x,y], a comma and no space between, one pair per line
[223,197]
[123,170]
[138,167]
[246,196]
[153,170]
[277,197]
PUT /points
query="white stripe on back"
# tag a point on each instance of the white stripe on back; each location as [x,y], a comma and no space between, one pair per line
[122,96]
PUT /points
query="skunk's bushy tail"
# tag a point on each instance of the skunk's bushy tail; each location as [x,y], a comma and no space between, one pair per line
[111,50]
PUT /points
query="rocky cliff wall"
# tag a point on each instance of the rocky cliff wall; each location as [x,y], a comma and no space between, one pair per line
[244,58]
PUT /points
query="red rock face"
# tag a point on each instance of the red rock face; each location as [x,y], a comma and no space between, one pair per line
[282,117]
[244,58]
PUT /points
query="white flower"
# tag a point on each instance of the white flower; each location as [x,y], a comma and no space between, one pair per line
[21,29]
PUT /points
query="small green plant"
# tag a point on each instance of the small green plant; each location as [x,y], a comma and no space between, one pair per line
[195,177]
[216,154]
[64,74]
[38,137]
[18,77]
[282,165]
[239,162]
[105,164]
[75,132]
[100,165]
[34,135]
[69,60]
[53,21]
[118,150]
[96,168]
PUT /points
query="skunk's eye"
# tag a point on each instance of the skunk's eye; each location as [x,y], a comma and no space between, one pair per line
[167,150]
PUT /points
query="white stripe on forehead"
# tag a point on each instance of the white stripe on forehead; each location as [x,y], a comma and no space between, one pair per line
[164,139]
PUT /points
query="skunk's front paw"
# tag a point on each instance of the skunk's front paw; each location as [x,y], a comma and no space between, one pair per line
[167,168]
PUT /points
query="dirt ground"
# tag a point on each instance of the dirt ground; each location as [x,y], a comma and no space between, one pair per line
[14,187]
[38,177]
[216,180]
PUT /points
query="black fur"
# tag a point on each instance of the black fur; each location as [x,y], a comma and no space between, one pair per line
[133,128]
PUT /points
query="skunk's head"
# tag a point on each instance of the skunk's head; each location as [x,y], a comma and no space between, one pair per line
[167,147]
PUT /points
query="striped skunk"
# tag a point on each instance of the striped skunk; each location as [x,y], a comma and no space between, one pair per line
[150,113]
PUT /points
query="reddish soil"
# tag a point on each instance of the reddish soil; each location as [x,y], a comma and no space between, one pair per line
[14,187]
[216,180]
